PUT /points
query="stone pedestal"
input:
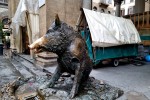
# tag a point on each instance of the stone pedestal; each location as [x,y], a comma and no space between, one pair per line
[46,59]
[28,89]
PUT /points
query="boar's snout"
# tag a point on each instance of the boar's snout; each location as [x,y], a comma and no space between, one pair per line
[31,47]
[36,44]
[34,47]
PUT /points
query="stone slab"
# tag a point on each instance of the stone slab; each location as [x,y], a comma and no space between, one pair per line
[46,55]
[46,59]
[45,64]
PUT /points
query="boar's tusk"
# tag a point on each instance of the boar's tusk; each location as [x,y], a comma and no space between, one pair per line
[30,47]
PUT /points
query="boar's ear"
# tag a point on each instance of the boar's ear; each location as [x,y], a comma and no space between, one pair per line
[57,20]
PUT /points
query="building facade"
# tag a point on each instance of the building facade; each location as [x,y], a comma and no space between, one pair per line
[134,6]
[127,6]
[3,4]
[3,9]
[4,40]
[139,12]
[68,12]
[104,6]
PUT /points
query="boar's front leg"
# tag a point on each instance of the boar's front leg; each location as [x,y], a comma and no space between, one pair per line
[77,78]
[54,78]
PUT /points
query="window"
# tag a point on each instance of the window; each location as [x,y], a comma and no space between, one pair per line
[122,12]
[109,12]
[95,8]
[41,3]
[109,1]
[127,1]
[131,0]
[106,1]
[4,1]
[102,11]
[123,2]
[130,10]
[5,21]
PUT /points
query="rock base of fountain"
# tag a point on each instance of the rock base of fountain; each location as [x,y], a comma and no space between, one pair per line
[24,89]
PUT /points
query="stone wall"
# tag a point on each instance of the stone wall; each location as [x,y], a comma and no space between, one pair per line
[42,15]
[94,4]
[68,11]
[12,7]
[4,14]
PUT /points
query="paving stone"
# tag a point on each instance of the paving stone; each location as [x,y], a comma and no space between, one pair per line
[7,71]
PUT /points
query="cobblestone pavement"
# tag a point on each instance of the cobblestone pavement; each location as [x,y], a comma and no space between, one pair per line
[133,79]
[7,71]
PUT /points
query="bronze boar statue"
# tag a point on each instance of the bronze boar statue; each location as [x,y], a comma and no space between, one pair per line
[72,54]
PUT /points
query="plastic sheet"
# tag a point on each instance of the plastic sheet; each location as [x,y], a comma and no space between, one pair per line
[108,30]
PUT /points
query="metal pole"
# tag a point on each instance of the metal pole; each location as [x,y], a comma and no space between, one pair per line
[1,44]
[117,10]
[1,34]
[118,5]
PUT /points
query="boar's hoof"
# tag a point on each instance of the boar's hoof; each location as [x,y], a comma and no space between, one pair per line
[72,94]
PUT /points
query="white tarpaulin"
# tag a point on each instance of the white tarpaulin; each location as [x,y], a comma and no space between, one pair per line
[27,14]
[29,6]
[108,30]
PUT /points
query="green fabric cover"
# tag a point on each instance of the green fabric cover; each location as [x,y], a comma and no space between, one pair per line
[145,37]
[87,38]
[128,50]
